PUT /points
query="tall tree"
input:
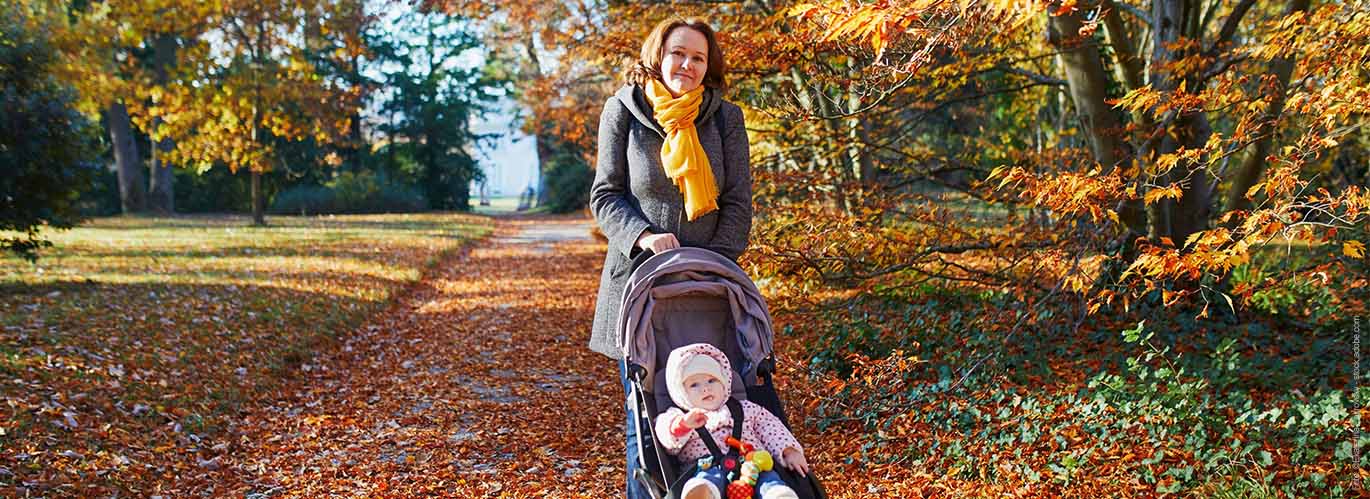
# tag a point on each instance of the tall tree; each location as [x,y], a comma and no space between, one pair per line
[132,190]
[119,53]
[161,190]
[436,90]
[252,84]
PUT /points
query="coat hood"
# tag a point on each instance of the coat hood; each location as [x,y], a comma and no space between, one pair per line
[680,358]
[635,100]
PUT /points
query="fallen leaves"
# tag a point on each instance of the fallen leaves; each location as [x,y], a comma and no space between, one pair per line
[476,384]
[127,353]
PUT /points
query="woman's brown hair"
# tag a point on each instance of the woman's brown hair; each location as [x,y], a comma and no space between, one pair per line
[648,64]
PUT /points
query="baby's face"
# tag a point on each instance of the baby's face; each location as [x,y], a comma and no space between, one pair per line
[705,392]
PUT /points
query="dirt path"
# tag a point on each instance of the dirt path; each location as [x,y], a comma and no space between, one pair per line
[477,383]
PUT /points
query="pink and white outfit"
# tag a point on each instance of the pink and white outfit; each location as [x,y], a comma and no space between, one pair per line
[759,426]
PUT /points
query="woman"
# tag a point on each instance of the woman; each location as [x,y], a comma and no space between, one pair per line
[673,170]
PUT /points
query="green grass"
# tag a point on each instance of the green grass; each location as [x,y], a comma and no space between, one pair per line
[151,333]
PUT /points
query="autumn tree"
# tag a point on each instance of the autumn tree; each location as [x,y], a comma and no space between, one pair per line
[565,58]
[252,83]
[1161,135]
[117,53]
[1106,143]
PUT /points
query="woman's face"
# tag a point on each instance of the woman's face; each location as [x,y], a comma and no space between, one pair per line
[684,61]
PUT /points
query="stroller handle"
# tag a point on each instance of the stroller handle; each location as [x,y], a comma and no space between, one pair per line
[641,255]
[639,258]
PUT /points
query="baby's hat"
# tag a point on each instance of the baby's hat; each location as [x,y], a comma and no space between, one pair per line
[696,358]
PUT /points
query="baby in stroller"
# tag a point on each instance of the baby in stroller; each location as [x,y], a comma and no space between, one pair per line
[698,378]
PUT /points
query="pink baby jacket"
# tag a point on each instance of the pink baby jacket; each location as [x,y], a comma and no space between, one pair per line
[759,426]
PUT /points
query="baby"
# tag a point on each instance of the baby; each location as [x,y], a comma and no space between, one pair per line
[698,379]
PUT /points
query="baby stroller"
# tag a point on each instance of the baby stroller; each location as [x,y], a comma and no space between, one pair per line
[685,296]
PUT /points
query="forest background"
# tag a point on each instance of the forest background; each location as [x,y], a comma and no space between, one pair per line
[1108,246]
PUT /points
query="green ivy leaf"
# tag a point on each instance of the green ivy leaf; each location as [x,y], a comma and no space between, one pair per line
[1265,458]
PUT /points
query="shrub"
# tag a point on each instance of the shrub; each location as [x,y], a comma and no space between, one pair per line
[363,192]
[217,190]
[568,183]
[304,200]
[46,146]
[102,199]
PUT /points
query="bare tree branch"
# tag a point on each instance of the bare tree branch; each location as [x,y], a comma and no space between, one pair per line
[1230,25]
[1141,16]
[1039,78]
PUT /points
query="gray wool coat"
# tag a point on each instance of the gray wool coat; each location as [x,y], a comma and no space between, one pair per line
[631,193]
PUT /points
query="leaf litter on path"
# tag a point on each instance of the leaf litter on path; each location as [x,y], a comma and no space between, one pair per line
[477,384]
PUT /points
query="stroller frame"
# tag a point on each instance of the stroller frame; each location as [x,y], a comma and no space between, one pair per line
[658,472]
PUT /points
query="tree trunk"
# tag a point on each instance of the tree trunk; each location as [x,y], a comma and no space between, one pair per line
[258,204]
[161,191]
[544,152]
[161,195]
[1088,83]
[819,158]
[1130,67]
[541,142]
[1174,20]
[132,197]
[1254,162]
[863,167]
[356,144]
[354,141]
[258,212]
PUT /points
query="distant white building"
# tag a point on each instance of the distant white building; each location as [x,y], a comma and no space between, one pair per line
[510,164]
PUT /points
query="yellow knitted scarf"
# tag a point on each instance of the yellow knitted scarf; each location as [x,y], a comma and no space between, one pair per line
[682,156]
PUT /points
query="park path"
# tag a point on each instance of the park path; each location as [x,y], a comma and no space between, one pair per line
[475,383]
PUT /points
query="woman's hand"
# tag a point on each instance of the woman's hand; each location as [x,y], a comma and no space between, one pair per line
[657,242]
[793,458]
[695,418]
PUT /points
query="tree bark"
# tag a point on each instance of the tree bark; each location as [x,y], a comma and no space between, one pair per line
[161,194]
[1173,20]
[863,167]
[1088,83]
[1130,67]
[258,213]
[258,204]
[1253,164]
[161,191]
[132,197]
[355,142]
[542,142]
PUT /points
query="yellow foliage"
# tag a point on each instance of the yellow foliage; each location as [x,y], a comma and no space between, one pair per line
[1353,249]
[1172,191]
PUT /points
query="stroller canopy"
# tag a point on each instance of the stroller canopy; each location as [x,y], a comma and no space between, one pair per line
[693,295]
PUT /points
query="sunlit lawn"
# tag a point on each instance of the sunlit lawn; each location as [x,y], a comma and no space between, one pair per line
[126,350]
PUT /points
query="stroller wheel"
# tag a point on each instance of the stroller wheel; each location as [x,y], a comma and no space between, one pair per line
[649,484]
